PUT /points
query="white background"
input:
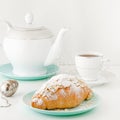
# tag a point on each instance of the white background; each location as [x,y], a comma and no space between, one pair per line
[94,24]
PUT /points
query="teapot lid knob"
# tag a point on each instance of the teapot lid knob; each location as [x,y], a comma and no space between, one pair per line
[29,18]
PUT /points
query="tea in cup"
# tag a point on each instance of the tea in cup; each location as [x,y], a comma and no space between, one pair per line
[89,65]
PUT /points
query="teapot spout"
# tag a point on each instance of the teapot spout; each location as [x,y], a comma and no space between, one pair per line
[56,48]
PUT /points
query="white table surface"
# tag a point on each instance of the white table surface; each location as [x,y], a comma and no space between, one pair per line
[109,108]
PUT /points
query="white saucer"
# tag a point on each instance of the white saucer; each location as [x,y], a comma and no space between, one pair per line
[104,78]
[100,81]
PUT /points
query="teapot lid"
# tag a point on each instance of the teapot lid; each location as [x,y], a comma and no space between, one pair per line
[29,32]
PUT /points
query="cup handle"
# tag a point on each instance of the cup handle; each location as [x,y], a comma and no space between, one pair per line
[106,64]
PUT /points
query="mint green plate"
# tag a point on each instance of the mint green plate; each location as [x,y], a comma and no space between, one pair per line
[6,70]
[83,107]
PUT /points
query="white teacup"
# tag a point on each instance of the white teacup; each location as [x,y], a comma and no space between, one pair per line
[89,65]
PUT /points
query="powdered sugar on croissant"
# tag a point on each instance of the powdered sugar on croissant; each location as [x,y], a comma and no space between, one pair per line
[61,91]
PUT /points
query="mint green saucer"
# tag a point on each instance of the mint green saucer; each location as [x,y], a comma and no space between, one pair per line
[83,107]
[6,70]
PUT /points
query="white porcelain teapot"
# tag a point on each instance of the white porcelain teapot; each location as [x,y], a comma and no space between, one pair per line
[31,49]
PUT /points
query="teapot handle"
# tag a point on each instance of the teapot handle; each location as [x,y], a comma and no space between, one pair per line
[9,25]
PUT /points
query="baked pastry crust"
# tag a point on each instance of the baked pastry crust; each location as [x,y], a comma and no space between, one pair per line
[61,92]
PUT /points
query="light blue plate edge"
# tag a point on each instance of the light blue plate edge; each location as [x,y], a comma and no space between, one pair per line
[60,113]
[47,75]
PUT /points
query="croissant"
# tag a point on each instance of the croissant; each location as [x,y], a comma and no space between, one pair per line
[61,92]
